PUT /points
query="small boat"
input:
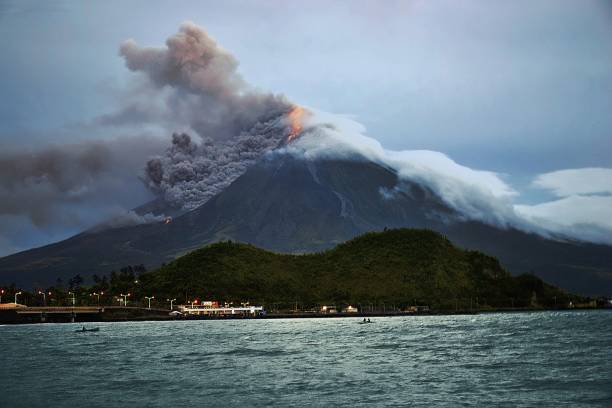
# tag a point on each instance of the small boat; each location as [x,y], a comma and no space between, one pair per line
[366,322]
[84,329]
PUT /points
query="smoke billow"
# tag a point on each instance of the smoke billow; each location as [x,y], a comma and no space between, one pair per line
[31,183]
[52,191]
[232,124]
[190,85]
[189,174]
[203,86]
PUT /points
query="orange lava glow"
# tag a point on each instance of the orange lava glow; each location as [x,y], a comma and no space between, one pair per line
[295,122]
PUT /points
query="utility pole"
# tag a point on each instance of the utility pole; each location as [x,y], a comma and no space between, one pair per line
[149,299]
[98,295]
[73,298]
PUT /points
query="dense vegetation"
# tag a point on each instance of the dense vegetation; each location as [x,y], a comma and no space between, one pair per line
[397,267]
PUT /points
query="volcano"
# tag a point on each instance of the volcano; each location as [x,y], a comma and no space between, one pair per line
[293,205]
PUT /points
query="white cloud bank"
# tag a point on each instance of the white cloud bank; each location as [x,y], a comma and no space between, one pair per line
[476,194]
[564,183]
[584,217]
[584,207]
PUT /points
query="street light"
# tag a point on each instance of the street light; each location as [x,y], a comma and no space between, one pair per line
[149,299]
[98,295]
[17,293]
[73,298]
[125,298]
[40,292]
[1,293]
[171,302]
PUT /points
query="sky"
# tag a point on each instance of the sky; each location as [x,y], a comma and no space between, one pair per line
[521,88]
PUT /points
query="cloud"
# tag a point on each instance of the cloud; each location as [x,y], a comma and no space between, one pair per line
[192,83]
[70,187]
[564,183]
[584,217]
[122,218]
[584,209]
[476,194]
[191,173]
[195,83]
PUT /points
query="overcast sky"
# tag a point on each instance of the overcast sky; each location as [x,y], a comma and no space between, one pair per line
[520,88]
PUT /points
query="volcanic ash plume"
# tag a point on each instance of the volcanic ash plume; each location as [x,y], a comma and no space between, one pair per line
[189,174]
[233,124]
[200,86]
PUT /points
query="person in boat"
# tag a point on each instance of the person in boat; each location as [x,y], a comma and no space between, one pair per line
[369,320]
[364,320]
[84,329]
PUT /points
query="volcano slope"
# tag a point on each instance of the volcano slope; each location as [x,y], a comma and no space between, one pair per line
[292,205]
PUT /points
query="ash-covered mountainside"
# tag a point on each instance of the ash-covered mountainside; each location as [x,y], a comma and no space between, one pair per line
[291,205]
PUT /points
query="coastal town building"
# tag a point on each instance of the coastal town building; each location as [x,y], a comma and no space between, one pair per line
[213,308]
[329,309]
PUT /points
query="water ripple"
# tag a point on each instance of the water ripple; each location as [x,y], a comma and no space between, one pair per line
[544,359]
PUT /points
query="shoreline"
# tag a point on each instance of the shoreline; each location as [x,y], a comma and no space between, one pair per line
[10,317]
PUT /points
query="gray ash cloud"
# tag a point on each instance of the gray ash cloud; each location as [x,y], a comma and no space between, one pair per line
[48,190]
[230,123]
[192,87]
[189,174]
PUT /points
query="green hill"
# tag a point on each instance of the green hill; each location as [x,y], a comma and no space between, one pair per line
[399,267]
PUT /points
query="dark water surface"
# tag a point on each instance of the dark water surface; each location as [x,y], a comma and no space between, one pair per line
[543,359]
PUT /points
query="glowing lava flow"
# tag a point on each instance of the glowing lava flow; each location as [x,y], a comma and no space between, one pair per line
[295,122]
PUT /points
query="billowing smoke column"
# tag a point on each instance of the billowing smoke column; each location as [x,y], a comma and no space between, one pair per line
[234,123]
[189,174]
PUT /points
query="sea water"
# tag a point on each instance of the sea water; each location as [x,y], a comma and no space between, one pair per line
[539,359]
